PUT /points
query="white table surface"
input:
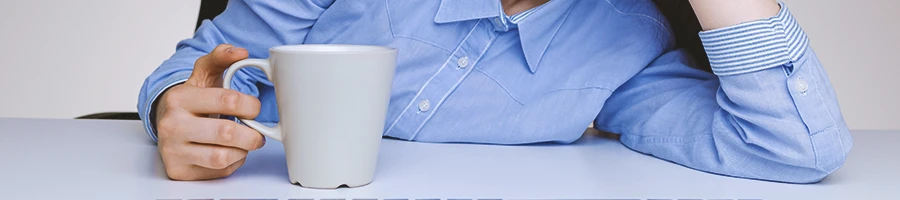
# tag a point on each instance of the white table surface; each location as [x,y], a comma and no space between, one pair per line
[99,159]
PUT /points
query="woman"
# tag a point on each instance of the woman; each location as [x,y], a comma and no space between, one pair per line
[525,71]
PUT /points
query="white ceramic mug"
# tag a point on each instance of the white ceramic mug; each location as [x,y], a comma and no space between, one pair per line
[332,101]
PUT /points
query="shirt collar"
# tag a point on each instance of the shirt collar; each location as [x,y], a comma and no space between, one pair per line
[535,32]
[461,10]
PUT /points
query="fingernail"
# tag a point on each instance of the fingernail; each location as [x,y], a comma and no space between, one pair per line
[263,142]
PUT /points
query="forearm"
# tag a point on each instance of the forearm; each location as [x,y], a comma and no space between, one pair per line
[715,14]
[761,125]
[775,100]
[768,113]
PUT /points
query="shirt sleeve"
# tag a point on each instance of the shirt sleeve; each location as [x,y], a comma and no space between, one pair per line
[254,25]
[768,113]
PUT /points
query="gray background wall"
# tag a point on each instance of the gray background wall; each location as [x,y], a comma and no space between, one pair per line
[62,59]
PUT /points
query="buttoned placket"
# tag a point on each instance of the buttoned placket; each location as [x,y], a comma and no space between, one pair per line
[447,78]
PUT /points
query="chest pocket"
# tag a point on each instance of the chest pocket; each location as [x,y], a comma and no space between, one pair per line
[501,69]
[414,20]
[555,75]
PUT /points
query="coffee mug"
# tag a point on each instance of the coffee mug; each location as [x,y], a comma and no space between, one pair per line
[332,101]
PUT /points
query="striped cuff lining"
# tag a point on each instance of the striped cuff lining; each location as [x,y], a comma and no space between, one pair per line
[755,45]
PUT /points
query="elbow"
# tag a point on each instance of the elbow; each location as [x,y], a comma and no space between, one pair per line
[815,174]
[830,149]
[791,172]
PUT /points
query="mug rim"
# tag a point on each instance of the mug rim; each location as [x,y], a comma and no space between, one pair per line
[331,48]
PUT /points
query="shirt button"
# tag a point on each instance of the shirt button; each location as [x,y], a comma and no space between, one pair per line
[497,20]
[463,62]
[424,105]
[801,85]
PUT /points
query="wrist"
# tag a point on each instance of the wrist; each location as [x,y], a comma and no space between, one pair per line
[714,14]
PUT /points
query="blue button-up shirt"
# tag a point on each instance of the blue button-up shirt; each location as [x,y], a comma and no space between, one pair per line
[467,73]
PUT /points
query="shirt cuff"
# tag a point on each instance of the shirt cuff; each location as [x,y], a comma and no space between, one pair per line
[755,45]
[172,80]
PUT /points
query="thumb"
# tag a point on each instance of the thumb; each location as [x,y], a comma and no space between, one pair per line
[209,68]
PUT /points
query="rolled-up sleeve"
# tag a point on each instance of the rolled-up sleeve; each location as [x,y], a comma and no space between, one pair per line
[768,113]
[254,25]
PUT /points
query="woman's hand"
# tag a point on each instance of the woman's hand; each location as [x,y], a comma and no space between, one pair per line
[194,146]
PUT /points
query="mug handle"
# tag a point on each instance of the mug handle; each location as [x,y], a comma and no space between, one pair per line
[262,64]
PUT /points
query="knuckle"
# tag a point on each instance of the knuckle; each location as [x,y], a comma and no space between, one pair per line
[172,97]
[221,46]
[167,111]
[214,54]
[218,159]
[165,127]
[225,132]
[169,153]
[230,100]
[174,91]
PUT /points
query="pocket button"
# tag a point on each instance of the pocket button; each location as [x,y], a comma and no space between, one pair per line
[424,105]
[463,62]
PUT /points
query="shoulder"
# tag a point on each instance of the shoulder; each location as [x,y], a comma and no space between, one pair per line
[641,14]
[637,21]
[644,10]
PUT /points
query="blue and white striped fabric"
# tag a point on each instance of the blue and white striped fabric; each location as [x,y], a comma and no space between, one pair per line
[509,22]
[522,15]
[755,45]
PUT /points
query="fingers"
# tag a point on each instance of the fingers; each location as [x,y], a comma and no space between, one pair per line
[194,172]
[222,133]
[190,146]
[211,156]
[199,148]
[199,101]
[225,54]
[209,68]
